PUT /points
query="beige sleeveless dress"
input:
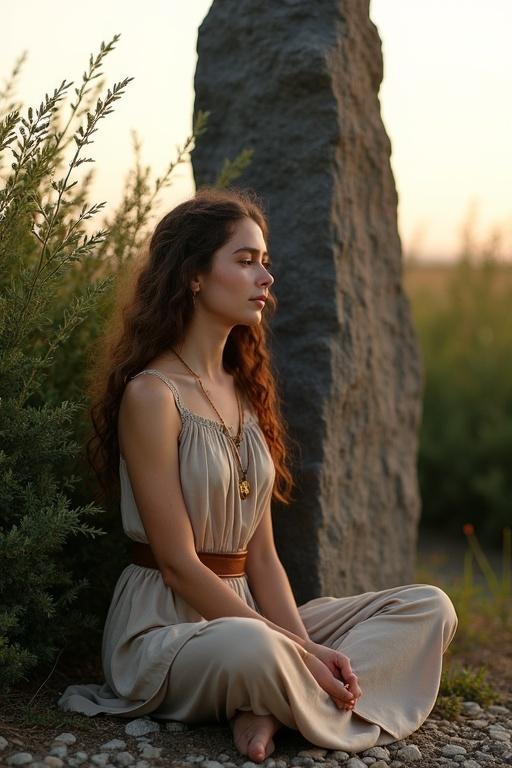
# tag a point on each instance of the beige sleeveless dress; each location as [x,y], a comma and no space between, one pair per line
[161,657]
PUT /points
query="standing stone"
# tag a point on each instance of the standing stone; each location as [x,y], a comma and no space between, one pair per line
[298,82]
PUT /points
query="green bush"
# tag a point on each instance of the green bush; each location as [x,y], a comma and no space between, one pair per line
[58,287]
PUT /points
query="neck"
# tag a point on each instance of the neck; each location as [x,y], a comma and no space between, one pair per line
[203,347]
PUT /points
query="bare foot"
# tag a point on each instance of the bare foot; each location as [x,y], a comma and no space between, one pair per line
[252,734]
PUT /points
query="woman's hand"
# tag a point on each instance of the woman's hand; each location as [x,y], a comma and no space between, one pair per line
[332,671]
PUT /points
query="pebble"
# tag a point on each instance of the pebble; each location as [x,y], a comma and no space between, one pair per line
[378,752]
[450,750]
[113,744]
[478,724]
[354,762]
[60,750]
[141,726]
[65,738]
[316,754]
[497,709]
[479,739]
[409,753]
[471,707]
[150,752]
[100,759]
[53,762]
[19,758]
[124,758]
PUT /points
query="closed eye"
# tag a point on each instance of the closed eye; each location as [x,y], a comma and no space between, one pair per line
[266,264]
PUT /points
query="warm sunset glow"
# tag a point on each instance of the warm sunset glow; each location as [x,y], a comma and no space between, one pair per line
[445,104]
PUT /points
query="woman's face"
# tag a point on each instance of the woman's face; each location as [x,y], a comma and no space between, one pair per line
[238,275]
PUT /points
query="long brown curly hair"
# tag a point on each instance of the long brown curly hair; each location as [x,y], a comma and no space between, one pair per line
[151,312]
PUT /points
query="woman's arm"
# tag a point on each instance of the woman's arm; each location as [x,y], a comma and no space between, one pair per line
[268,579]
[149,424]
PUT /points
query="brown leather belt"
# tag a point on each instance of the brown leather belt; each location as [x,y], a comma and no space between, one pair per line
[221,563]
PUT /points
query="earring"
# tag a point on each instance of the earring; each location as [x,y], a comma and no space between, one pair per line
[194,296]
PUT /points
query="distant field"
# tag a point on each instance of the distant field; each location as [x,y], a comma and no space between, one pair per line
[433,277]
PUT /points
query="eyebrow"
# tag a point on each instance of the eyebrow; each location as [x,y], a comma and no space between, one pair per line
[254,251]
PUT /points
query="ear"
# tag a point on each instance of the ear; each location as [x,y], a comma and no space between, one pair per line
[194,285]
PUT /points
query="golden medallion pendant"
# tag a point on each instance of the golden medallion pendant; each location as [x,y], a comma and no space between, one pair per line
[245,489]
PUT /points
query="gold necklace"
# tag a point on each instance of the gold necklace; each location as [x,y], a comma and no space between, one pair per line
[243,483]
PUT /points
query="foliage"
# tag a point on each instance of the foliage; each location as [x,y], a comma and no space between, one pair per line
[466,435]
[468,684]
[58,283]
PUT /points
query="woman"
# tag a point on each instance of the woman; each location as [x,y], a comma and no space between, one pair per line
[203,624]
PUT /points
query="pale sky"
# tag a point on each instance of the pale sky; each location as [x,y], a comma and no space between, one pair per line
[445,99]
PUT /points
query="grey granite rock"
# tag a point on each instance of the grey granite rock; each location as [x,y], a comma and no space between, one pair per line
[298,83]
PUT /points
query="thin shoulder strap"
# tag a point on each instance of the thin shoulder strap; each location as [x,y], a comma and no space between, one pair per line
[169,383]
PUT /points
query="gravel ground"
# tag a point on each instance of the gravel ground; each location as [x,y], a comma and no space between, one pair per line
[479,737]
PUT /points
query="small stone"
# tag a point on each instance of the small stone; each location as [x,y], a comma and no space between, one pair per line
[19,758]
[316,754]
[306,761]
[249,764]
[378,752]
[471,707]
[478,724]
[500,736]
[410,752]
[80,757]
[192,758]
[100,759]
[471,764]
[450,750]
[283,763]
[396,764]
[354,762]
[173,726]
[338,754]
[497,709]
[458,758]
[53,762]
[124,758]
[142,764]
[59,751]
[380,764]
[211,764]
[269,763]
[65,738]
[141,726]
[150,752]
[369,760]
[3,743]
[113,744]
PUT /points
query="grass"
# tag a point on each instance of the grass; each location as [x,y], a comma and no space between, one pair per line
[478,663]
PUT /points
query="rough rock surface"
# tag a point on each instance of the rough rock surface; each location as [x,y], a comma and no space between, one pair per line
[298,82]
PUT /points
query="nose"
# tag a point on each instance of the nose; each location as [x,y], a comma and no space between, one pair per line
[267,278]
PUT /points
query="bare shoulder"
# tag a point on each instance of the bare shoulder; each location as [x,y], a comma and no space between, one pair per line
[148,415]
